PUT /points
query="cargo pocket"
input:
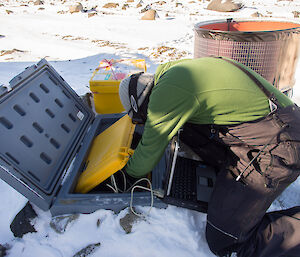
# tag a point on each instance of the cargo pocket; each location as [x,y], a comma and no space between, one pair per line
[284,167]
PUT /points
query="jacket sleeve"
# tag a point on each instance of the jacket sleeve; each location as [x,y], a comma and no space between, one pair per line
[169,108]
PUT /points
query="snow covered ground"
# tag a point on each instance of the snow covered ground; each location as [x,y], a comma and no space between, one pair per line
[74,44]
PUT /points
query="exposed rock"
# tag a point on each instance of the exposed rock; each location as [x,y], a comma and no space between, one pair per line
[90,249]
[111,5]
[178,4]
[9,11]
[161,2]
[125,6]
[256,15]
[41,8]
[38,2]
[148,7]
[130,1]
[224,6]
[127,222]
[1,5]
[76,8]
[164,52]
[93,9]
[140,4]
[91,14]
[143,48]
[59,224]
[3,249]
[296,14]
[21,224]
[98,223]
[6,52]
[150,15]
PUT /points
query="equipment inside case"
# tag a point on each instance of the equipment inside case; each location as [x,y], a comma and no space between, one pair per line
[109,153]
[46,134]
[188,182]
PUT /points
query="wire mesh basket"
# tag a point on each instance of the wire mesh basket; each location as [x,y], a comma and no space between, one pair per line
[269,47]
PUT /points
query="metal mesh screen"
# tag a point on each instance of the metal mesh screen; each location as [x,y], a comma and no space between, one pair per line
[260,56]
[269,53]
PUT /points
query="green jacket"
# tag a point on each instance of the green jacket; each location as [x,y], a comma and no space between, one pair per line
[200,91]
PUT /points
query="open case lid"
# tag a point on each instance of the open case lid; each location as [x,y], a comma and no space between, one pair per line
[42,123]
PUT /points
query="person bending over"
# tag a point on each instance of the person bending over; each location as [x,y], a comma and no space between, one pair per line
[236,121]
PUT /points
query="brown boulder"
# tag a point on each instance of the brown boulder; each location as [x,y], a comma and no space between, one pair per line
[76,8]
[256,15]
[161,2]
[125,6]
[224,6]
[296,14]
[91,14]
[111,5]
[149,15]
[38,2]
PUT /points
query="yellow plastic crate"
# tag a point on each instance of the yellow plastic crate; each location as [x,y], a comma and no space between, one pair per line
[110,151]
[105,81]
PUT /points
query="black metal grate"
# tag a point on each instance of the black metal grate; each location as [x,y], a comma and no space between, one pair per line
[184,180]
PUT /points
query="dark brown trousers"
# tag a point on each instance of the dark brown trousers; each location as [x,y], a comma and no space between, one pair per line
[237,220]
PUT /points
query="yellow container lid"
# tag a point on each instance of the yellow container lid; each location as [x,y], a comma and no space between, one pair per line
[110,151]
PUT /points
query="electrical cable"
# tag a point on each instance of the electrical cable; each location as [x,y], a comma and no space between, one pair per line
[133,187]
[111,187]
[124,179]
[113,181]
